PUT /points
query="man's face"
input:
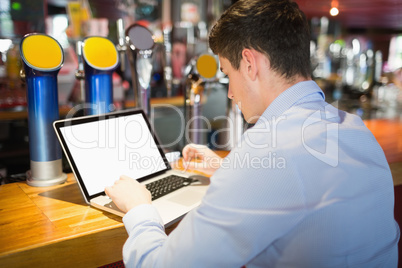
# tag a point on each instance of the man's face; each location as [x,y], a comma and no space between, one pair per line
[239,91]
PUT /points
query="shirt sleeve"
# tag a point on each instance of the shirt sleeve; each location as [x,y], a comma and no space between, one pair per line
[233,224]
[146,234]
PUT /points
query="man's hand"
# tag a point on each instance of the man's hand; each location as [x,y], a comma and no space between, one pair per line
[206,160]
[128,193]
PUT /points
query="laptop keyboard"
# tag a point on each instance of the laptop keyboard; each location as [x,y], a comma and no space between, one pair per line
[167,185]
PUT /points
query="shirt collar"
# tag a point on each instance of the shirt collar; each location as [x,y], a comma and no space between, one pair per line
[293,95]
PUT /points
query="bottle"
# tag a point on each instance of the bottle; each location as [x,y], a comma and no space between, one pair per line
[13,66]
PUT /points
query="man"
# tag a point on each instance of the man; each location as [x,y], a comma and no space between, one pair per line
[308,186]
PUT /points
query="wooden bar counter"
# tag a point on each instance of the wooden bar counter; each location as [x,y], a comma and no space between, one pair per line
[54,227]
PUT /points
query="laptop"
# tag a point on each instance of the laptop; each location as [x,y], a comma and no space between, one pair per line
[101,148]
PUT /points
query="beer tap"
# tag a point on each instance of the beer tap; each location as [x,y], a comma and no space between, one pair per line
[167,69]
[99,59]
[121,46]
[42,58]
[199,71]
[140,43]
[80,74]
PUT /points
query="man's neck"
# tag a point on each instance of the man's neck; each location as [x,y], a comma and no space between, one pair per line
[277,85]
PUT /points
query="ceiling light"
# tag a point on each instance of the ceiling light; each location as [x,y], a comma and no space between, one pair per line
[334,8]
[334,11]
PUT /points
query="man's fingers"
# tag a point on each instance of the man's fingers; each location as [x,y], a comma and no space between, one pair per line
[194,151]
[125,177]
[108,191]
[188,152]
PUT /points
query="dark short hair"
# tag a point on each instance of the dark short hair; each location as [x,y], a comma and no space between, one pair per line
[277,28]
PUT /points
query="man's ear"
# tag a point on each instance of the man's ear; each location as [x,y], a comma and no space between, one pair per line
[250,63]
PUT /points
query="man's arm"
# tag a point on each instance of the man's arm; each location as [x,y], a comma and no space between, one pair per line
[241,215]
[127,193]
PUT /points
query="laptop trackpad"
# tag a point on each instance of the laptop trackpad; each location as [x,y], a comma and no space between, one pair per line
[187,198]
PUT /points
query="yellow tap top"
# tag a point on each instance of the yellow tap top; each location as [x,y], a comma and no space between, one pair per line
[100,53]
[42,52]
[207,66]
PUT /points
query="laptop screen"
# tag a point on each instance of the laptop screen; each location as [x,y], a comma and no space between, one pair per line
[102,148]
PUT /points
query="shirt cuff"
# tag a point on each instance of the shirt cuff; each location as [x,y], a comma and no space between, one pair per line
[140,215]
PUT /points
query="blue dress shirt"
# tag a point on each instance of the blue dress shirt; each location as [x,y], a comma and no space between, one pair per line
[307,186]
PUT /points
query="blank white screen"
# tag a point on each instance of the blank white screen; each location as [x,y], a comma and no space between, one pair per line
[104,150]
